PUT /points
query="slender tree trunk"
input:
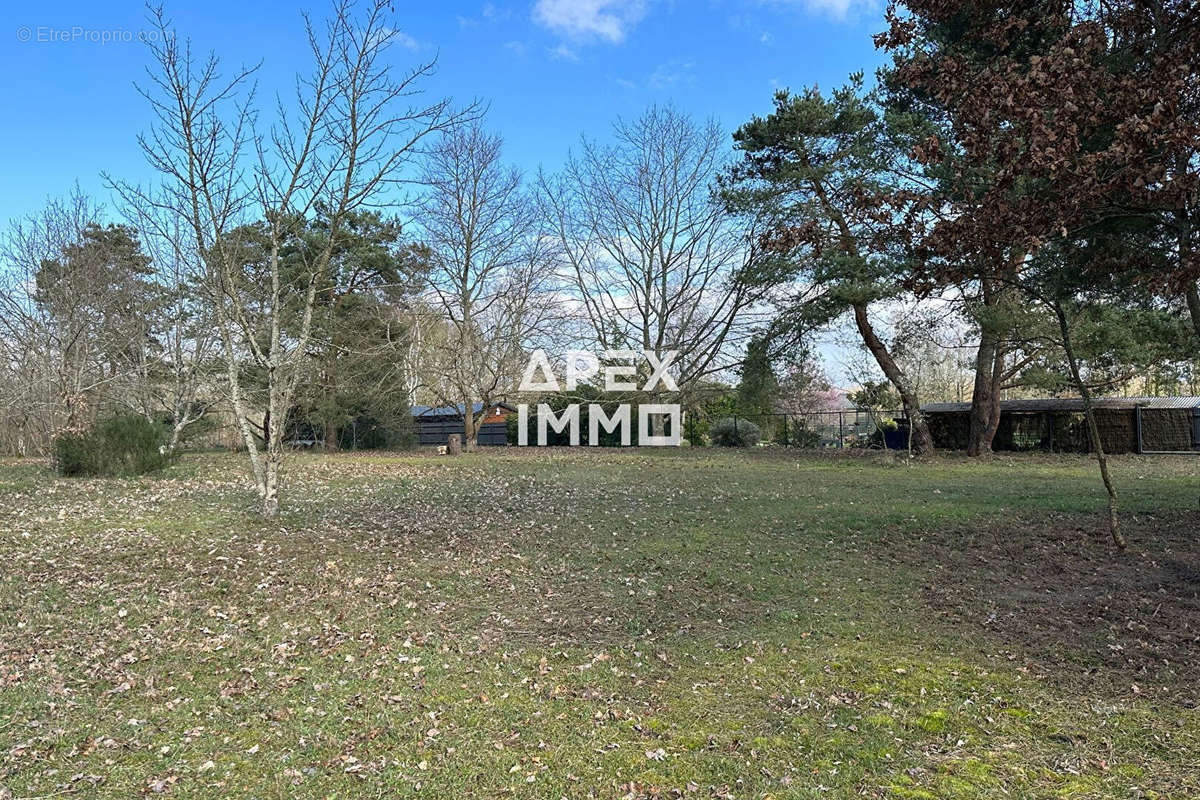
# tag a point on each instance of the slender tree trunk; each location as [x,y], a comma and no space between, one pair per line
[279,396]
[330,388]
[984,397]
[922,441]
[993,424]
[981,395]
[270,484]
[241,417]
[1085,394]
[330,434]
[470,429]
[1185,262]
[1193,301]
[176,430]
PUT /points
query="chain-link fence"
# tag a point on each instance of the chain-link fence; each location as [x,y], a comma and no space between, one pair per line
[814,430]
[851,428]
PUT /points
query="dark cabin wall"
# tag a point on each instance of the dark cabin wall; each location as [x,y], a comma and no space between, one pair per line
[1167,429]
[435,431]
[1064,432]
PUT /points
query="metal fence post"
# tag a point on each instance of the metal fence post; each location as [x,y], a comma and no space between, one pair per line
[841,429]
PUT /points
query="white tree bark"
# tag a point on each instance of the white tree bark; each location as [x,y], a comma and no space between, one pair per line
[336,150]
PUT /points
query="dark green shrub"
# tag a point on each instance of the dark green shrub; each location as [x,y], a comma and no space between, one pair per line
[797,435]
[125,444]
[132,445]
[76,454]
[734,432]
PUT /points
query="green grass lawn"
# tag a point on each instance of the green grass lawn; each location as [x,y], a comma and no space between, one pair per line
[602,624]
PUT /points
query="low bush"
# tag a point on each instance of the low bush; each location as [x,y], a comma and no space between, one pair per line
[76,454]
[798,436]
[125,444]
[734,432]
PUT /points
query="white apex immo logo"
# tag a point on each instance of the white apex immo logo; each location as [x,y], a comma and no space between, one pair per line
[618,377]
[582,365]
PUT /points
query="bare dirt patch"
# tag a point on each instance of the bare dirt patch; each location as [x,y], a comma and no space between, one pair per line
[1053,589]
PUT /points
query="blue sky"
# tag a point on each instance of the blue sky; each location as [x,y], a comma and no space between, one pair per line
[550,69]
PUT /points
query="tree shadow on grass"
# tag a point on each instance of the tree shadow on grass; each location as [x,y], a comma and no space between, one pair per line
[1052,588]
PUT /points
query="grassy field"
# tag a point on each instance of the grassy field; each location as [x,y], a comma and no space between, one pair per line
[597,624]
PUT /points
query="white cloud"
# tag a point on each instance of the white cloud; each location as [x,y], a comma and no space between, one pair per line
[840,9]
[404,40]
[563,53]
[673,73]
[837,9]
[490,12]
[488,15]
[394,36]
[608,20]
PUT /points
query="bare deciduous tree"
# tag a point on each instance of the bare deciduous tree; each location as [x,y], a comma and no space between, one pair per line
[182,323]
[334,149]
[490,270]
[44,381]
[80,302]
[653,260]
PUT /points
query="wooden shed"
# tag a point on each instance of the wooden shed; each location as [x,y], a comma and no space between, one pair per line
[434,424]
[1056,424]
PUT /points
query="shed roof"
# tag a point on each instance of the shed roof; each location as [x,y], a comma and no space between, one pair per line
[452,411]
[1039,404]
